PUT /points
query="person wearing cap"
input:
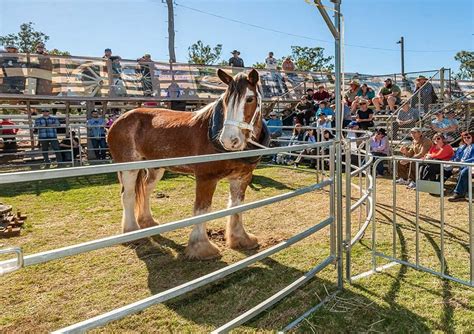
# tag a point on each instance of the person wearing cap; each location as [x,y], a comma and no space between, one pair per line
[406,118]
[107,53]
[351,93]
[389,95]
[364,115]
[96,133]
[270,62]
[274,125]
[40,49]
[47,126]
[419,147]
[235,60]
[288,65]
[11,48]
[423,93]
[440,123]
[322,122]
[321,95]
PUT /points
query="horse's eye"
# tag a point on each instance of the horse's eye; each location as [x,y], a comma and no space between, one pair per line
[249,99]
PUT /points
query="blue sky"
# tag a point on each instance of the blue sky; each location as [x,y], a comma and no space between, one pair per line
[132,28]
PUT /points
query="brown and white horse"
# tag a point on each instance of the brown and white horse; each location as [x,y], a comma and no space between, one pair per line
[228,124]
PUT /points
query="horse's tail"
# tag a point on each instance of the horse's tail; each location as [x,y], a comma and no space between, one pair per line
[140,185]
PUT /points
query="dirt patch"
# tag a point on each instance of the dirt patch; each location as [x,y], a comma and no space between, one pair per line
[217,235]
[269,242]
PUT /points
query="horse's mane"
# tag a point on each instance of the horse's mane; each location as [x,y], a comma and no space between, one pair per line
[203,113]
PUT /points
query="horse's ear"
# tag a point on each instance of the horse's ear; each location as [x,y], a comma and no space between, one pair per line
[253,77]
[226,78]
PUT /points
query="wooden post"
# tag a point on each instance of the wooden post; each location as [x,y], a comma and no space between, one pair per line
[169,3]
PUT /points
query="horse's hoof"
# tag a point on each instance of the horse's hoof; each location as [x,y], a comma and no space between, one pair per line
[202,250]
[248,241]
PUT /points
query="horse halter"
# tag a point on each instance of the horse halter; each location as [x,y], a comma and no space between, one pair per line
[249,126]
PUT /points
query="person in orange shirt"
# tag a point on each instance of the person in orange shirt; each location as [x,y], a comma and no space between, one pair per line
[440,150]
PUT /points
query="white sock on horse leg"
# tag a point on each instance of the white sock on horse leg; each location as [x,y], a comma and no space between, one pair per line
[128,179]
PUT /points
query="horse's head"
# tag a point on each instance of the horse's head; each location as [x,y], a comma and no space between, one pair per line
[241,103]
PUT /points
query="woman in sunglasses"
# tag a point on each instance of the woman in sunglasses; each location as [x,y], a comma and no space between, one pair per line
[440,150]
[465,153]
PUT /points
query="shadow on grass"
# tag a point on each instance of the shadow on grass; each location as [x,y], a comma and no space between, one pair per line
[447,321]
[262,182]
[221,301]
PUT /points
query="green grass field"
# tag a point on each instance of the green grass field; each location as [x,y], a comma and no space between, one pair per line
[46,297]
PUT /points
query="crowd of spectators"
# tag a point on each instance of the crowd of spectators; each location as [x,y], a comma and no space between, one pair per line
[362,104]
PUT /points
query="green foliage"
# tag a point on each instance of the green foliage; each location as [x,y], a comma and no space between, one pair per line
[26,39]
[202,54]
[258,65]
[466,68]
[56,52]
[311,59]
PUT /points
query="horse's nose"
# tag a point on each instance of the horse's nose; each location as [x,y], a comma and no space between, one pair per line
[235,141]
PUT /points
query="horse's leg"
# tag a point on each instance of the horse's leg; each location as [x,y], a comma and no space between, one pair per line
[236,237]
[144,215]
[128,180]
[199,246]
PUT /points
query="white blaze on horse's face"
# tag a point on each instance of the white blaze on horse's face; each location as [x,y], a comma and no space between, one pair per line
[241,104]
[233,136]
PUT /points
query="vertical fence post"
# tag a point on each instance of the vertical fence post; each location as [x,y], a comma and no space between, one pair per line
[441,84]
[471,224]
[441,218]
[347,241]
[30,125]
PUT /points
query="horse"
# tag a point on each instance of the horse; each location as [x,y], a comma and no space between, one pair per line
[231,123]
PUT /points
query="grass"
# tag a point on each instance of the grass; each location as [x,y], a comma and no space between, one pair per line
[56,294]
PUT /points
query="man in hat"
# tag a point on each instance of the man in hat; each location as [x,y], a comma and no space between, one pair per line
[351,93]
[40,49]
[46,126]
[423,93]
[235,60]
[389,95]
[440,124]
[417,150]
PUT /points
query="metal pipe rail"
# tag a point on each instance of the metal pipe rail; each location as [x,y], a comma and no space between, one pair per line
[417,264]
[191,285]
[124,166]
[6,266]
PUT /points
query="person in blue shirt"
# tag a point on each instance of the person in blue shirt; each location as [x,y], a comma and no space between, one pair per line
[465,153]
[274,125]
[96,131]
[46,126]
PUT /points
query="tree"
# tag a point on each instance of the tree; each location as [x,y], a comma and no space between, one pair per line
[56,52]
[466,68]
[198,53]
[26,39]
[311,59]
[258,65]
